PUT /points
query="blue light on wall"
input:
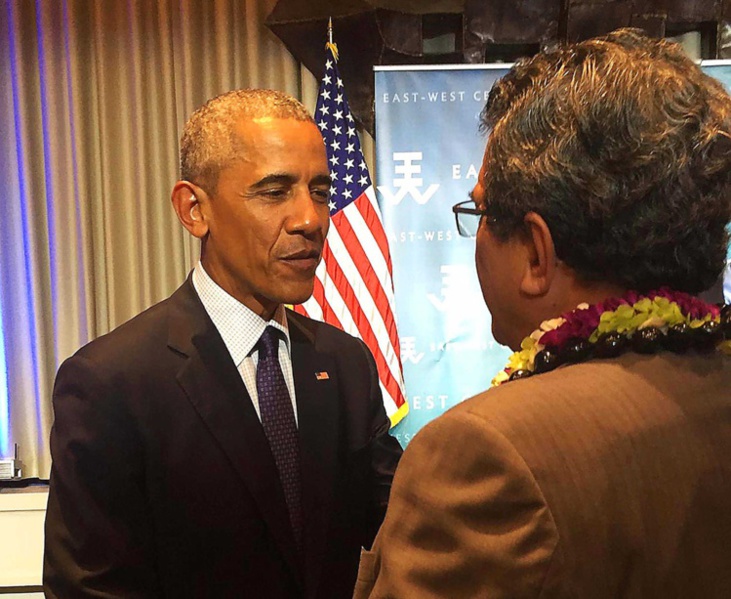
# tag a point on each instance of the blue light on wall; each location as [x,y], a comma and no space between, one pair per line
[4,404]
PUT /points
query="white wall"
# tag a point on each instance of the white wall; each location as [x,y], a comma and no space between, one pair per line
[22,513]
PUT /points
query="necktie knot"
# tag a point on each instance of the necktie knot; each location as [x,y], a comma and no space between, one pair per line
[269,342]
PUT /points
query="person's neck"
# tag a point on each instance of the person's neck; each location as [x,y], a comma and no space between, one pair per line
[564,296]
[588,293]
[261,306]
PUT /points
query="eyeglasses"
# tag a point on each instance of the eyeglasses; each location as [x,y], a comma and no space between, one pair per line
[468,218]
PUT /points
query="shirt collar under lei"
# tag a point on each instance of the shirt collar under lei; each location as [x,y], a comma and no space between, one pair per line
[643,322]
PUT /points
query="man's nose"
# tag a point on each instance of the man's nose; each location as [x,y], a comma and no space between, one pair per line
[308,214]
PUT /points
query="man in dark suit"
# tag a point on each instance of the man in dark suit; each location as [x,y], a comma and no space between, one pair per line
[219,445]
[598,465]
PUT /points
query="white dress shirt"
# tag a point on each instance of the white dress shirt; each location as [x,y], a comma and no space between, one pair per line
[240,328]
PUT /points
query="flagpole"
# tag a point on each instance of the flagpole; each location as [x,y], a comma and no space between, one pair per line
[330,45]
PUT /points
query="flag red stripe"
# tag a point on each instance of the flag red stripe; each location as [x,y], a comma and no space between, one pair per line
[373,220]
[364,326]
[375,226]
[370,278]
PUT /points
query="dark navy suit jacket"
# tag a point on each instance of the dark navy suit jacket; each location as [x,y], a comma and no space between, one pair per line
[163,483]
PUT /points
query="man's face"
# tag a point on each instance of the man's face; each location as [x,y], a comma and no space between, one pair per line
[268,218]
[499,269]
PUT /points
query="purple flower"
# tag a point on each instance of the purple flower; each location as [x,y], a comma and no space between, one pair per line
[632,297]
[611,304]
[663,292]
[580,324]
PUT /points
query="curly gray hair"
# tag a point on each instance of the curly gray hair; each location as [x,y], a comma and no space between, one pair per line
[623,145]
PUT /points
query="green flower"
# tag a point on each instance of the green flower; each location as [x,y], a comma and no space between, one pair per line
[667,311]
[618,321]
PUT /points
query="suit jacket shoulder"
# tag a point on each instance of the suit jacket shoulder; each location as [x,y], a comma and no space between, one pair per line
[129,346]
[632,450]
[325,336]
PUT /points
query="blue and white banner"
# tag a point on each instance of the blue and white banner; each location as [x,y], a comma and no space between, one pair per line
[429,152]
[428,155]
[721,70]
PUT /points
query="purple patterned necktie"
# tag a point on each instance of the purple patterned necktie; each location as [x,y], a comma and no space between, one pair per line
[280,428]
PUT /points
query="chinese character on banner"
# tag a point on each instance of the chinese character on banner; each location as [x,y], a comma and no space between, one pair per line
[354,283]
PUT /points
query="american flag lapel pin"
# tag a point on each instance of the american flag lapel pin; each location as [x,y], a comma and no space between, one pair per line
[322,376]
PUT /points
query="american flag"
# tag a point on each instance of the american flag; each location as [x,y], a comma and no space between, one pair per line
[354,282]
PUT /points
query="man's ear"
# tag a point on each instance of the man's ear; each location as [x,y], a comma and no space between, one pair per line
[187,198]
[541,267]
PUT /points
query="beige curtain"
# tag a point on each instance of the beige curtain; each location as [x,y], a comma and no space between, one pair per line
[93,96]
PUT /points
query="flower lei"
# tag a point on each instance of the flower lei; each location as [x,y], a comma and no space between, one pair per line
[642,322]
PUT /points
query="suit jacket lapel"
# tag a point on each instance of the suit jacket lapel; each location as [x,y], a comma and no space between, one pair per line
[318,414]
[213,385]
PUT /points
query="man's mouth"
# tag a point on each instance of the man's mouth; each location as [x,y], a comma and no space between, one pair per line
[306,259]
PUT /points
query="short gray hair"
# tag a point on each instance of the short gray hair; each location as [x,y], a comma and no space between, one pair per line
[210,142]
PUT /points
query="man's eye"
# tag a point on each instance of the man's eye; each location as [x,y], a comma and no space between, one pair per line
[275,194]
[321,195]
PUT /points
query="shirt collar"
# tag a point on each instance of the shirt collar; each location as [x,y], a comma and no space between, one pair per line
[239,327]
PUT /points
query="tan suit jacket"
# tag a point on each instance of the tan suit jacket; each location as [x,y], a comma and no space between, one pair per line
[610,478]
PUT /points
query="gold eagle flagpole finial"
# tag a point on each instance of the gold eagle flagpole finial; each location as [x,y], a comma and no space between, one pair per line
[330,44]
